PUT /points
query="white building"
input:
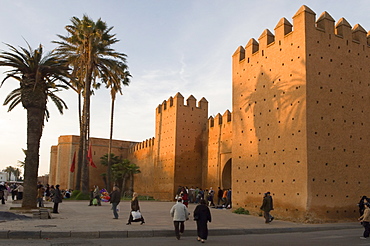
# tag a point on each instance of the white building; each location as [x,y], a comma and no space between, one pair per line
[3,177]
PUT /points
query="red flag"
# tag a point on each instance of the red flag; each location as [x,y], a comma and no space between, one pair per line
[73,165]
[90,157]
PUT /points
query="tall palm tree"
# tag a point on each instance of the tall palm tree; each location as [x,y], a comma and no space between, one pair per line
[9,170]
[114,82]
[132,169]
[38,75]
[88,50]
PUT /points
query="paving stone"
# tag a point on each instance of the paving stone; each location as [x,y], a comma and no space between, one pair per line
[24,234]
[140,233]
[55,234]
[113,234]
[4,234]
[85,234]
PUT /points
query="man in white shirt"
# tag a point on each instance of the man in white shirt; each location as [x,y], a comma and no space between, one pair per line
[179,213]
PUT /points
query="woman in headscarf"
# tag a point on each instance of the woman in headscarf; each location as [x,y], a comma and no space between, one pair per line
[202,215]
[135,208]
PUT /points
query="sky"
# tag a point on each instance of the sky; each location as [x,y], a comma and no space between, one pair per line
[171,46]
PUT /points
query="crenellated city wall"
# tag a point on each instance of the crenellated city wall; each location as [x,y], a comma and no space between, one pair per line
[294,115]
[299,127]
[219,150]
[62,154]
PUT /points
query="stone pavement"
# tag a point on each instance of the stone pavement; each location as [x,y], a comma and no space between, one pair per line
[77,219]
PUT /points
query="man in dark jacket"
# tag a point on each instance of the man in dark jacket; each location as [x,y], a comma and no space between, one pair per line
[57,198]
[219,195]
[267,206]
[2,192]
[115,198]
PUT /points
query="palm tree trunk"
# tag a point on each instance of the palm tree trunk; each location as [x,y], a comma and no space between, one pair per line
[80,147]
[85,165]
[86,127]
[131,189]
[35,123]
[123,185]
[109,168]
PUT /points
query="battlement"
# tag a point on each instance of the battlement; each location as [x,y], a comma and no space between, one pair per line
[304,22]
[148,143]
[178,101]
[219,120]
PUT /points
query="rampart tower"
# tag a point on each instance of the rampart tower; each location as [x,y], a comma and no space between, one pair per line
[179,138]
[176,155]
[301,118]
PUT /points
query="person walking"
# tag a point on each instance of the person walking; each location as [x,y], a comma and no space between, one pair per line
[229,203]
[267,206]
[6,191]
[115,199]
[57,198]
[19,190]
[179,213]
[47,193]
[202,215]
[13,190]
[135,208]
[91,196]
[361,205]
[96,194]
[365,221]
[184,196]
[220,193]
[2,192]
[224,199]
[40,195]
[211,195]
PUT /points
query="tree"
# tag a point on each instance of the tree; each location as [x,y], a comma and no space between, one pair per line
[10,170]
[104,160]
[123,170]
[38,75]
[132,169]
[114,83]
[120,173]
[88,51]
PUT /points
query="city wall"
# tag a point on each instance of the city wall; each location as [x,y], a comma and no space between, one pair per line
[295,122]
[299,127]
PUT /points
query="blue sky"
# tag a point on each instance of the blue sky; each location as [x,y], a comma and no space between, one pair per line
[172,46]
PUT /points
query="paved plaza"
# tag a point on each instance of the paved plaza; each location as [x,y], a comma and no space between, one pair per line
[77,219]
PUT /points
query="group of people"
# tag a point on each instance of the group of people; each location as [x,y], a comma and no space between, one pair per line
[179,213]
[50,193]
[135,214]
[15,190]
[201,214]
[196,195]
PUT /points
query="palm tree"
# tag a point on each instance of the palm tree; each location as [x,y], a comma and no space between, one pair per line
[104,160]
[37,75]
[17,173]
[88,51]
[132,169]
[120,173]
[114,83]
[123,170]
[9,170]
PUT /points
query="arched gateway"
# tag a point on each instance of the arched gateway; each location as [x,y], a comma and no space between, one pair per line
[226,175]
